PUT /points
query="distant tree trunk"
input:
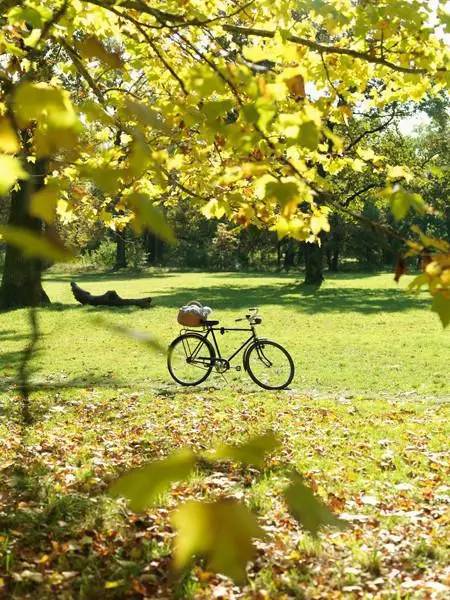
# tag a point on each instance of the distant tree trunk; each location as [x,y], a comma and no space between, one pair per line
[121,257]
[279,254]
[289,255]
[153,246]
[313,255]
[334,242]
[21,282]
[335,261]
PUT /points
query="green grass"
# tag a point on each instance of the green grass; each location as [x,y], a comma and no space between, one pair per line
[371,449]
[357,334]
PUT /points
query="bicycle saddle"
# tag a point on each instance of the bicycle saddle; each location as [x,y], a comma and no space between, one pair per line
[210,323]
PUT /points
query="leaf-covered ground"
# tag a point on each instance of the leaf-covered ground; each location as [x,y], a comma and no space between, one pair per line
[378,459]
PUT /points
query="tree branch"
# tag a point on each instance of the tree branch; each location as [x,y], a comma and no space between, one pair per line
[321,48]
[368,187]
[369,132]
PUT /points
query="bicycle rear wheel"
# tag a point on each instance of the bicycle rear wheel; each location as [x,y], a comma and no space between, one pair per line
[269,365]
[190,359]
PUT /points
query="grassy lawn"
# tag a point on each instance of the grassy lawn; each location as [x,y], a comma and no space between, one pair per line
[358,334]
[366,422]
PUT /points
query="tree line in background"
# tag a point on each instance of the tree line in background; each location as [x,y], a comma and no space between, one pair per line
[212,244]
[140,116]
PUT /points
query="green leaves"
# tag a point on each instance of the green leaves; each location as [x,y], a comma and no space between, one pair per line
[253,452]
[307,509]
[216,109]
[308,135]
[222,532]
[441,306]
[143,486]
[10,171]
[402,201]
[34,244]
[148,216]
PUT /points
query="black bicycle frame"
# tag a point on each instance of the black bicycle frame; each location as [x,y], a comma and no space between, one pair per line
[252,338]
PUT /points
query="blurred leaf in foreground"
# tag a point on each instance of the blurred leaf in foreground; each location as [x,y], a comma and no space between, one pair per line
[252,452]
[307,509]
[144,485]
[140,336]
[221,532]
[441,306]
[10,171]
[35,244]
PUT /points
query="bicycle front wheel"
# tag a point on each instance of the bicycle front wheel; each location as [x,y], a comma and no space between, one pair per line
[269,365]
[190,359]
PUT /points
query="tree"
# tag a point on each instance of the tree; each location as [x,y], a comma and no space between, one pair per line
[209,105]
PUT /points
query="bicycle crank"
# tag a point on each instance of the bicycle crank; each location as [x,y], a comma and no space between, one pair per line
[221,365]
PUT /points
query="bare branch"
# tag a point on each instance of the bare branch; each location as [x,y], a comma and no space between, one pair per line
[370,132]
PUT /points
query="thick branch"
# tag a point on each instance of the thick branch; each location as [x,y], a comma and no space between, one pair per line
[321,48]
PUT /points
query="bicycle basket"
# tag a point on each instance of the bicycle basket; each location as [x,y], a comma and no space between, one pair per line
[189,318]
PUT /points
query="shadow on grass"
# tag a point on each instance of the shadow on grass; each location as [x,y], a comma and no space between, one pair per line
[85,382]
[112,276]
[303,299]
[287,292]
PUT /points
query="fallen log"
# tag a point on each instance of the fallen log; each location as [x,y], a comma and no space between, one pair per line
[110,298]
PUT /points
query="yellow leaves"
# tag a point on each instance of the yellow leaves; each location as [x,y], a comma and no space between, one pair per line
[43,103]
[319,222]
[50,108]
[307,509]
[9,142]
[91,47]
[145,116]
[10,171]
[245,215]
[216,108]
[252,452]
[441,306]
[308,135]
[108,178]
[147,216]
[111,585]
[284,192]
[256,53]
[221,531]
[402,201]
[43,203]
[144,485]
[399,172]
[33,244]
[295,227]
[358,165]
[214,209]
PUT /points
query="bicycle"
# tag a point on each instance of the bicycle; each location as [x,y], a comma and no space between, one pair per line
[192,356]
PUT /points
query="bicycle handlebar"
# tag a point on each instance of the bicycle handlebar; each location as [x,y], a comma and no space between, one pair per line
[249,317]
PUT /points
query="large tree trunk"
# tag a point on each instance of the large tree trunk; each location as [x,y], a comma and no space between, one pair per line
[313,264]
[21,283]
